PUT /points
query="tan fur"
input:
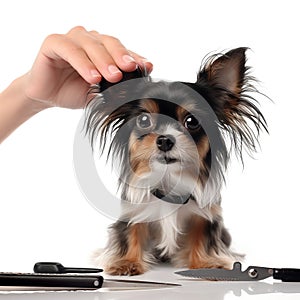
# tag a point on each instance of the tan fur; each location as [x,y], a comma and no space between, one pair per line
[183,110]
[150,106]
[140,153]
[195,253]
[132,263]
[203,147]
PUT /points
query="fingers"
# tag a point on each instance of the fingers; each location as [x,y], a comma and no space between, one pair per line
[119,54]
[143,63]
[63,53]
[93,55]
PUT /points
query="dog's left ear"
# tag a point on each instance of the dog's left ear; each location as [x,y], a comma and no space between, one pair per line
[227,71]
[226,85]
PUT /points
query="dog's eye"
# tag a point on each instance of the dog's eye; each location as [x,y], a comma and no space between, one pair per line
[144,121]
[191,123]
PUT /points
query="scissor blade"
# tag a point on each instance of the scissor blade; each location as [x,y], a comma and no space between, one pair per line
[210,274]
[236,274]
[124,284]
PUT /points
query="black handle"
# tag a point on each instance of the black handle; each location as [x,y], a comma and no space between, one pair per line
[50,282]
[287,275]
[57,268]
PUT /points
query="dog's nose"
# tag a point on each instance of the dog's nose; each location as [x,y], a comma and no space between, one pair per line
[165,142]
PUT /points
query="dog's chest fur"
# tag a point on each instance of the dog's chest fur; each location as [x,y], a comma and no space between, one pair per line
[171,228]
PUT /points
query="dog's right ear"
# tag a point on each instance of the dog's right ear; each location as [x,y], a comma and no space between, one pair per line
[138,73]
[105,109]
[120,90]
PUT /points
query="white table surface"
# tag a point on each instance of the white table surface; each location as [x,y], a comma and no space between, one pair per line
[190,289]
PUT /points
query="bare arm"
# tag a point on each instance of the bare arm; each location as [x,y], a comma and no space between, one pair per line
[15,107]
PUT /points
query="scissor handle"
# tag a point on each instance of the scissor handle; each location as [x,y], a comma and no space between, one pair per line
[36,281]
[57,268]
[287,275]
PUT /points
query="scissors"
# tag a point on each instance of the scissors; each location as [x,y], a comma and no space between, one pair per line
[252,273]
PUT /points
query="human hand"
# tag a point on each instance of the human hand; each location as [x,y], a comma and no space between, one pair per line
[67,64]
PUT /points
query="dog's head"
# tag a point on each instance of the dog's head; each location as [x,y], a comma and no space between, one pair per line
[168,136]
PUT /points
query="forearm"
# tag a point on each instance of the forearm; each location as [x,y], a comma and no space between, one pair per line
[15,107]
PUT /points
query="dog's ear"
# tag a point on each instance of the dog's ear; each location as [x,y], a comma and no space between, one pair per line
[226,71]
[138,73]
[225,84]
[104,110]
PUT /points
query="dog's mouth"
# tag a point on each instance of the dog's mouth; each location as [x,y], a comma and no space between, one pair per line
[166,160]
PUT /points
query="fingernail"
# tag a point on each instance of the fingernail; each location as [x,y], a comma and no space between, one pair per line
[128,59]
[95,73]
[113,70]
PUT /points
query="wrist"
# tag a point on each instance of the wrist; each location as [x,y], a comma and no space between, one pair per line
[30,106]
[16,107]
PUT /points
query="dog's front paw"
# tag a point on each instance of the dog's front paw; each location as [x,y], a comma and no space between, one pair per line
[125,267]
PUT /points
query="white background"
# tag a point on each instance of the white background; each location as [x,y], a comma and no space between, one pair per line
[44,216]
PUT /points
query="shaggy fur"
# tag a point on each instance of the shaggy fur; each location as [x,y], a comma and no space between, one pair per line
[168,144]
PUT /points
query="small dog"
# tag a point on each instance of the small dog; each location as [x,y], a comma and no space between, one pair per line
[170,141]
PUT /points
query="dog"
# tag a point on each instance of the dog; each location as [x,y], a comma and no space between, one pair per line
[170,143]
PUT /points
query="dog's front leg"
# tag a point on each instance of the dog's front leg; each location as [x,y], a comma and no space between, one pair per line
[125,253]
[205,245]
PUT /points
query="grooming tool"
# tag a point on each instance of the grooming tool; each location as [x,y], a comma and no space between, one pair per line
[35,281]
[111,284]
[58,268]
[252,273]
[125,284]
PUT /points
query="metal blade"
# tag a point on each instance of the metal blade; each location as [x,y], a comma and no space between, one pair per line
[123,284]
[236,274]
